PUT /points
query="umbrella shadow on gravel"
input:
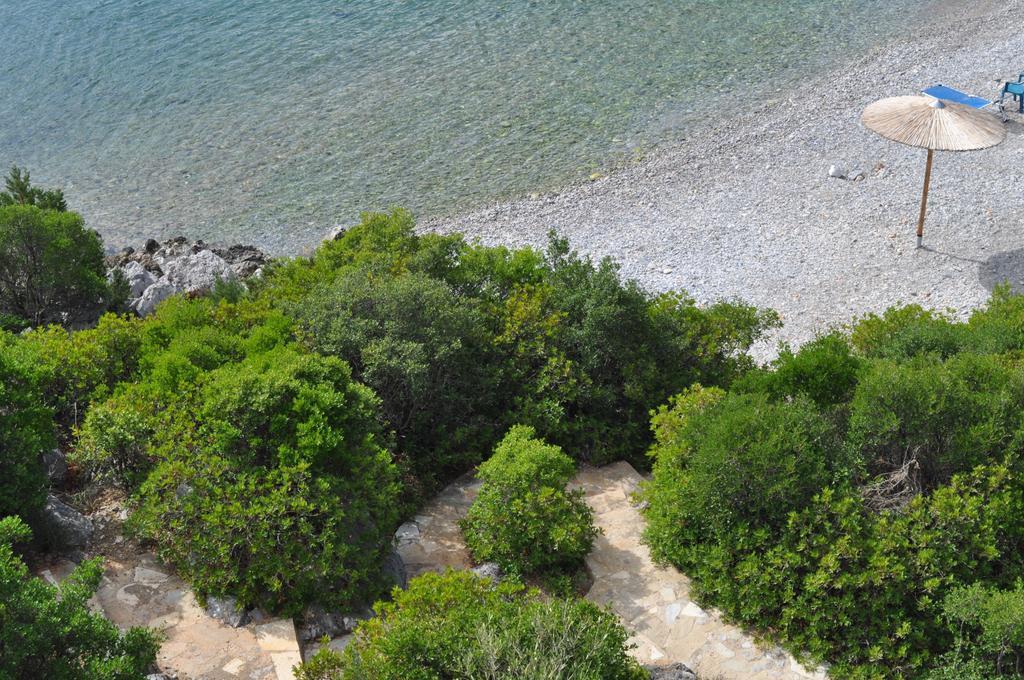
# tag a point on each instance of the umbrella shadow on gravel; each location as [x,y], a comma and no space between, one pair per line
[1015,126]
[1005,267]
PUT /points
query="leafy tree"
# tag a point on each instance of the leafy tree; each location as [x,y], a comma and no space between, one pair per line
[50,632]
[523,518]
[51,266]
[21,192]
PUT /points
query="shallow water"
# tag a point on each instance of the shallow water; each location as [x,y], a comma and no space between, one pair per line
[268,121]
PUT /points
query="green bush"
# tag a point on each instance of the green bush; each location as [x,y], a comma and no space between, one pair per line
[824,369]
[458,625]
[271,485]
[925,420]
[425,352]
[902,333]
[988,626]
[462,341]
[26,431]
[51,266]
[113,442]
[523,518]
[632,350]
[912,493]
[84,366]
[737,459]
[48,632]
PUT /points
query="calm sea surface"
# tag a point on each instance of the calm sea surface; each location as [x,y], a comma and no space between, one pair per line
[268,121]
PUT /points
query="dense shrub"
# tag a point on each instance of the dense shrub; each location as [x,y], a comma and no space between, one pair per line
[48,632]
[824,369]
[84,366]
[170,354]
[424,351]
[738,459]
[51,266]
[462,341]
[271,484]
[901,333]
[458,625]
[523,518]
[113,442]
[925,420]
[911,494]
[26,431]
[988,626]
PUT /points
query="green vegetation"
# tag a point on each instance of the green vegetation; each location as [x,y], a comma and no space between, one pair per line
[860,500]
[26,431]
[459,625]
[462,341]
[523,518]
[271,440]
[19,191]
[48,632]
[270,485]
[51,266]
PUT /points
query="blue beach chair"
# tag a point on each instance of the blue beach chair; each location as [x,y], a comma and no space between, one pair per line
[950,94]
[1015,90]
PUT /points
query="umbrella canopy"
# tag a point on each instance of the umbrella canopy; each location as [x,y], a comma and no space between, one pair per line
[933,124]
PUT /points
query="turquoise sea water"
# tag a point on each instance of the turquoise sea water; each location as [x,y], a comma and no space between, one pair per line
[268,121]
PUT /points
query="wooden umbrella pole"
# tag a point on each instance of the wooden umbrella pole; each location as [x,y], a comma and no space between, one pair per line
[924,197]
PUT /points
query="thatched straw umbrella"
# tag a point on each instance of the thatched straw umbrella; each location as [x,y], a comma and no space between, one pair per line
[935,125]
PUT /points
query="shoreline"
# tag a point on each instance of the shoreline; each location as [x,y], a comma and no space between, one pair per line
[744,207]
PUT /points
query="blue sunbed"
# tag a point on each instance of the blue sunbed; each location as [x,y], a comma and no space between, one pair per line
[950,94]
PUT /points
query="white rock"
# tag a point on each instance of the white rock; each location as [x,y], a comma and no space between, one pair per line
[154,295]
[837,171]
[408,532]
[197,271]
[139,279]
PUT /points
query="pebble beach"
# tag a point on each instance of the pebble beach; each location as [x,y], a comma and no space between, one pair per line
[746,207]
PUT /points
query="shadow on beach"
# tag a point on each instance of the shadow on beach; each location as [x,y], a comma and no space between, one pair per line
[1005,267]
[1015,125]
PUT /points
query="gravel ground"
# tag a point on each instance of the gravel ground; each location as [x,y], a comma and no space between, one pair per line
[745,208]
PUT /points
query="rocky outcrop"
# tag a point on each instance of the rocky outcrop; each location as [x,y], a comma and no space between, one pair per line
[64,526]
[181,266]
[676,671]
[56,464]
[226,610]
[488,570]
[316,622]
[395,571]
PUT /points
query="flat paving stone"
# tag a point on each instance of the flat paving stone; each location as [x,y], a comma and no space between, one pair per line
[679,631]
[653,602]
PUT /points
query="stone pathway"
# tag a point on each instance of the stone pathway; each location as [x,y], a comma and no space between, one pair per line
[141,592]
[653,602]
[432,540]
